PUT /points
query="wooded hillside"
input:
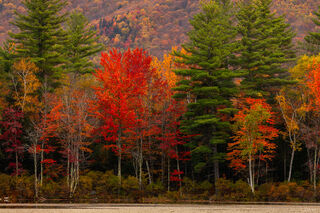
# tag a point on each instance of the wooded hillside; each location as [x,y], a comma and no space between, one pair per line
[154,25]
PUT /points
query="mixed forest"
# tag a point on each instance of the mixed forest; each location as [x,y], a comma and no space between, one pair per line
[129,107]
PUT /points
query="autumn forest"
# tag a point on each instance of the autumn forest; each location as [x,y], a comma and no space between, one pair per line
[175,101]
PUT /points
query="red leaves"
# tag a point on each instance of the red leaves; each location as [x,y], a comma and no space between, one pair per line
[314,84]
[12,127]
[124,82]
[174,176]
[48,161]
[254,133]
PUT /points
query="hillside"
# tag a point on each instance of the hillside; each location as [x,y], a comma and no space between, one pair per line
[154,25]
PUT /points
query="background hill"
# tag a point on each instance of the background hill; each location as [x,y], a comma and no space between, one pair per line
[154,25]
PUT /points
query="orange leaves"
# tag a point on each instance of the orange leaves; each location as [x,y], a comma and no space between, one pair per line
[313,84]
[254,133]
[85,149]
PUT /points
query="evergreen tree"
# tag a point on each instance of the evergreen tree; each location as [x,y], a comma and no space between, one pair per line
[313,38]
[265,46]
[82,43]
[208,84]
[6,62]
[41,37]
[6,57]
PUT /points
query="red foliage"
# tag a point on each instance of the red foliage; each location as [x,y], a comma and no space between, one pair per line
[174,176]
[314,84]
[48,161]
[123,82]
[254,134]
[12,130]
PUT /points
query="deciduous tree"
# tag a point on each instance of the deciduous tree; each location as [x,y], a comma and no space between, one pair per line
[122,82]
[254,134]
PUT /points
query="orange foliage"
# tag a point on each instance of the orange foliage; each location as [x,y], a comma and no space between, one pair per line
[314,84]
[254,133]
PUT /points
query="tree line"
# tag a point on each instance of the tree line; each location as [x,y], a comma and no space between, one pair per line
[227,104]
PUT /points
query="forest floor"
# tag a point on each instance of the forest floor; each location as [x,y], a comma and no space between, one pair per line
[156,208]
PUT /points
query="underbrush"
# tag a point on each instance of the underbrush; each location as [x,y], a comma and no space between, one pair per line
[104,187]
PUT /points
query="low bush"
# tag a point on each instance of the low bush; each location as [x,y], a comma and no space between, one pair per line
[229,191]
[105,186]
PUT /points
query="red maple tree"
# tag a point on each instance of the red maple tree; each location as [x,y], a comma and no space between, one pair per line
[123,82]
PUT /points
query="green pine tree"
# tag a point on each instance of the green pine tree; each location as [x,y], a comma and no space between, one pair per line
[82,43]
[313,38]
[6,62]
[208,84]
[41,37]
[6,57]
[265,46]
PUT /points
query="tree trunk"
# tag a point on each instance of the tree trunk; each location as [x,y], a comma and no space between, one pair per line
[168,174]
[251,180]
[119,157]
[35,171]
[45,122]
[17,164]
[216,165]
[178,168]
[291,164]
[315,169]
[310,165]
[149,173]
[41,165]
[140,163]
[162,167]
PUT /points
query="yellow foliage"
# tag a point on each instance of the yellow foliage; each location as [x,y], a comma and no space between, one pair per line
[26,85]
[294,100]
[165,68]
[304,65]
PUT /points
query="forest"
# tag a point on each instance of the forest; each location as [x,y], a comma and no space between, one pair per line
[102,111]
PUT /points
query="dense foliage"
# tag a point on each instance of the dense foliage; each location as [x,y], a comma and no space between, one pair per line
[155,25]
[223,117]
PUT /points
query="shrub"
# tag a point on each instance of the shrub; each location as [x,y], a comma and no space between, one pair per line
[263,192]
[174,196]
[107,184]
[238,191]
[223,189]
[85,188]
[242,191]
[25,187]
[188,186]
[130,184]
[155,188]
[54,190]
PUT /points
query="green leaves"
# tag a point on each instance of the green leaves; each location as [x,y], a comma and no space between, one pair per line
[313,38]
[41,37]
[82,44]
[208,83]
[265,45]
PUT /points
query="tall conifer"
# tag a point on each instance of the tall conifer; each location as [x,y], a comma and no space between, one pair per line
[41,37]
[208,84]
[82,43]
[265,46]
[313,38]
